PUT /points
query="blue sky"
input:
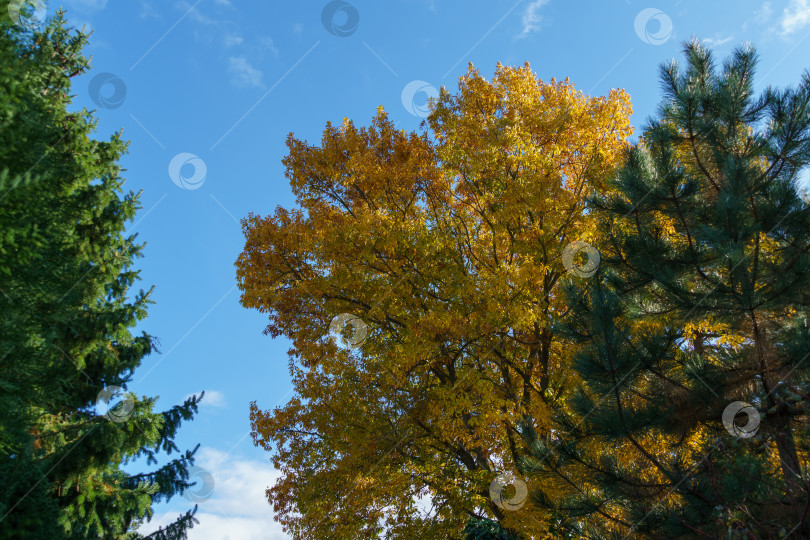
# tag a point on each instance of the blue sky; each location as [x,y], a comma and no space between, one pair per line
[213,87]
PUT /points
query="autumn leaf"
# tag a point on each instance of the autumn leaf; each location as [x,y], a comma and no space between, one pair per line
[447,244]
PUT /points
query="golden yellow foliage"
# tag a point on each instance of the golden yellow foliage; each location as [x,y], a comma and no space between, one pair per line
[447,246]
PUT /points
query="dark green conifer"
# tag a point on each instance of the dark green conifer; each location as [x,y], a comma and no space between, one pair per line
[701,300]
[67,313]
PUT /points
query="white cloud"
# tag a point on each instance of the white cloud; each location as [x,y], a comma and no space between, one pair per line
[764,13]
[194,14]
[531,18]
[761,16]
[795,17]
[804,178]
[232,40]
[238,508]
[148,11]
[717,41]
[243,74]
[87,5]
[297,29]
[266,44]
[213,398]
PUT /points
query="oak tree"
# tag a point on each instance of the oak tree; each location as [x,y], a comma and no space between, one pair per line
[439,254]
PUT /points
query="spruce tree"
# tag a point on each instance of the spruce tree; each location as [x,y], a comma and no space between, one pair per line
[66,268]
[699,308]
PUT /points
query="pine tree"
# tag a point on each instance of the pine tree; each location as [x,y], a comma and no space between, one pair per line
[67,313]
[701,300]
[486,529]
